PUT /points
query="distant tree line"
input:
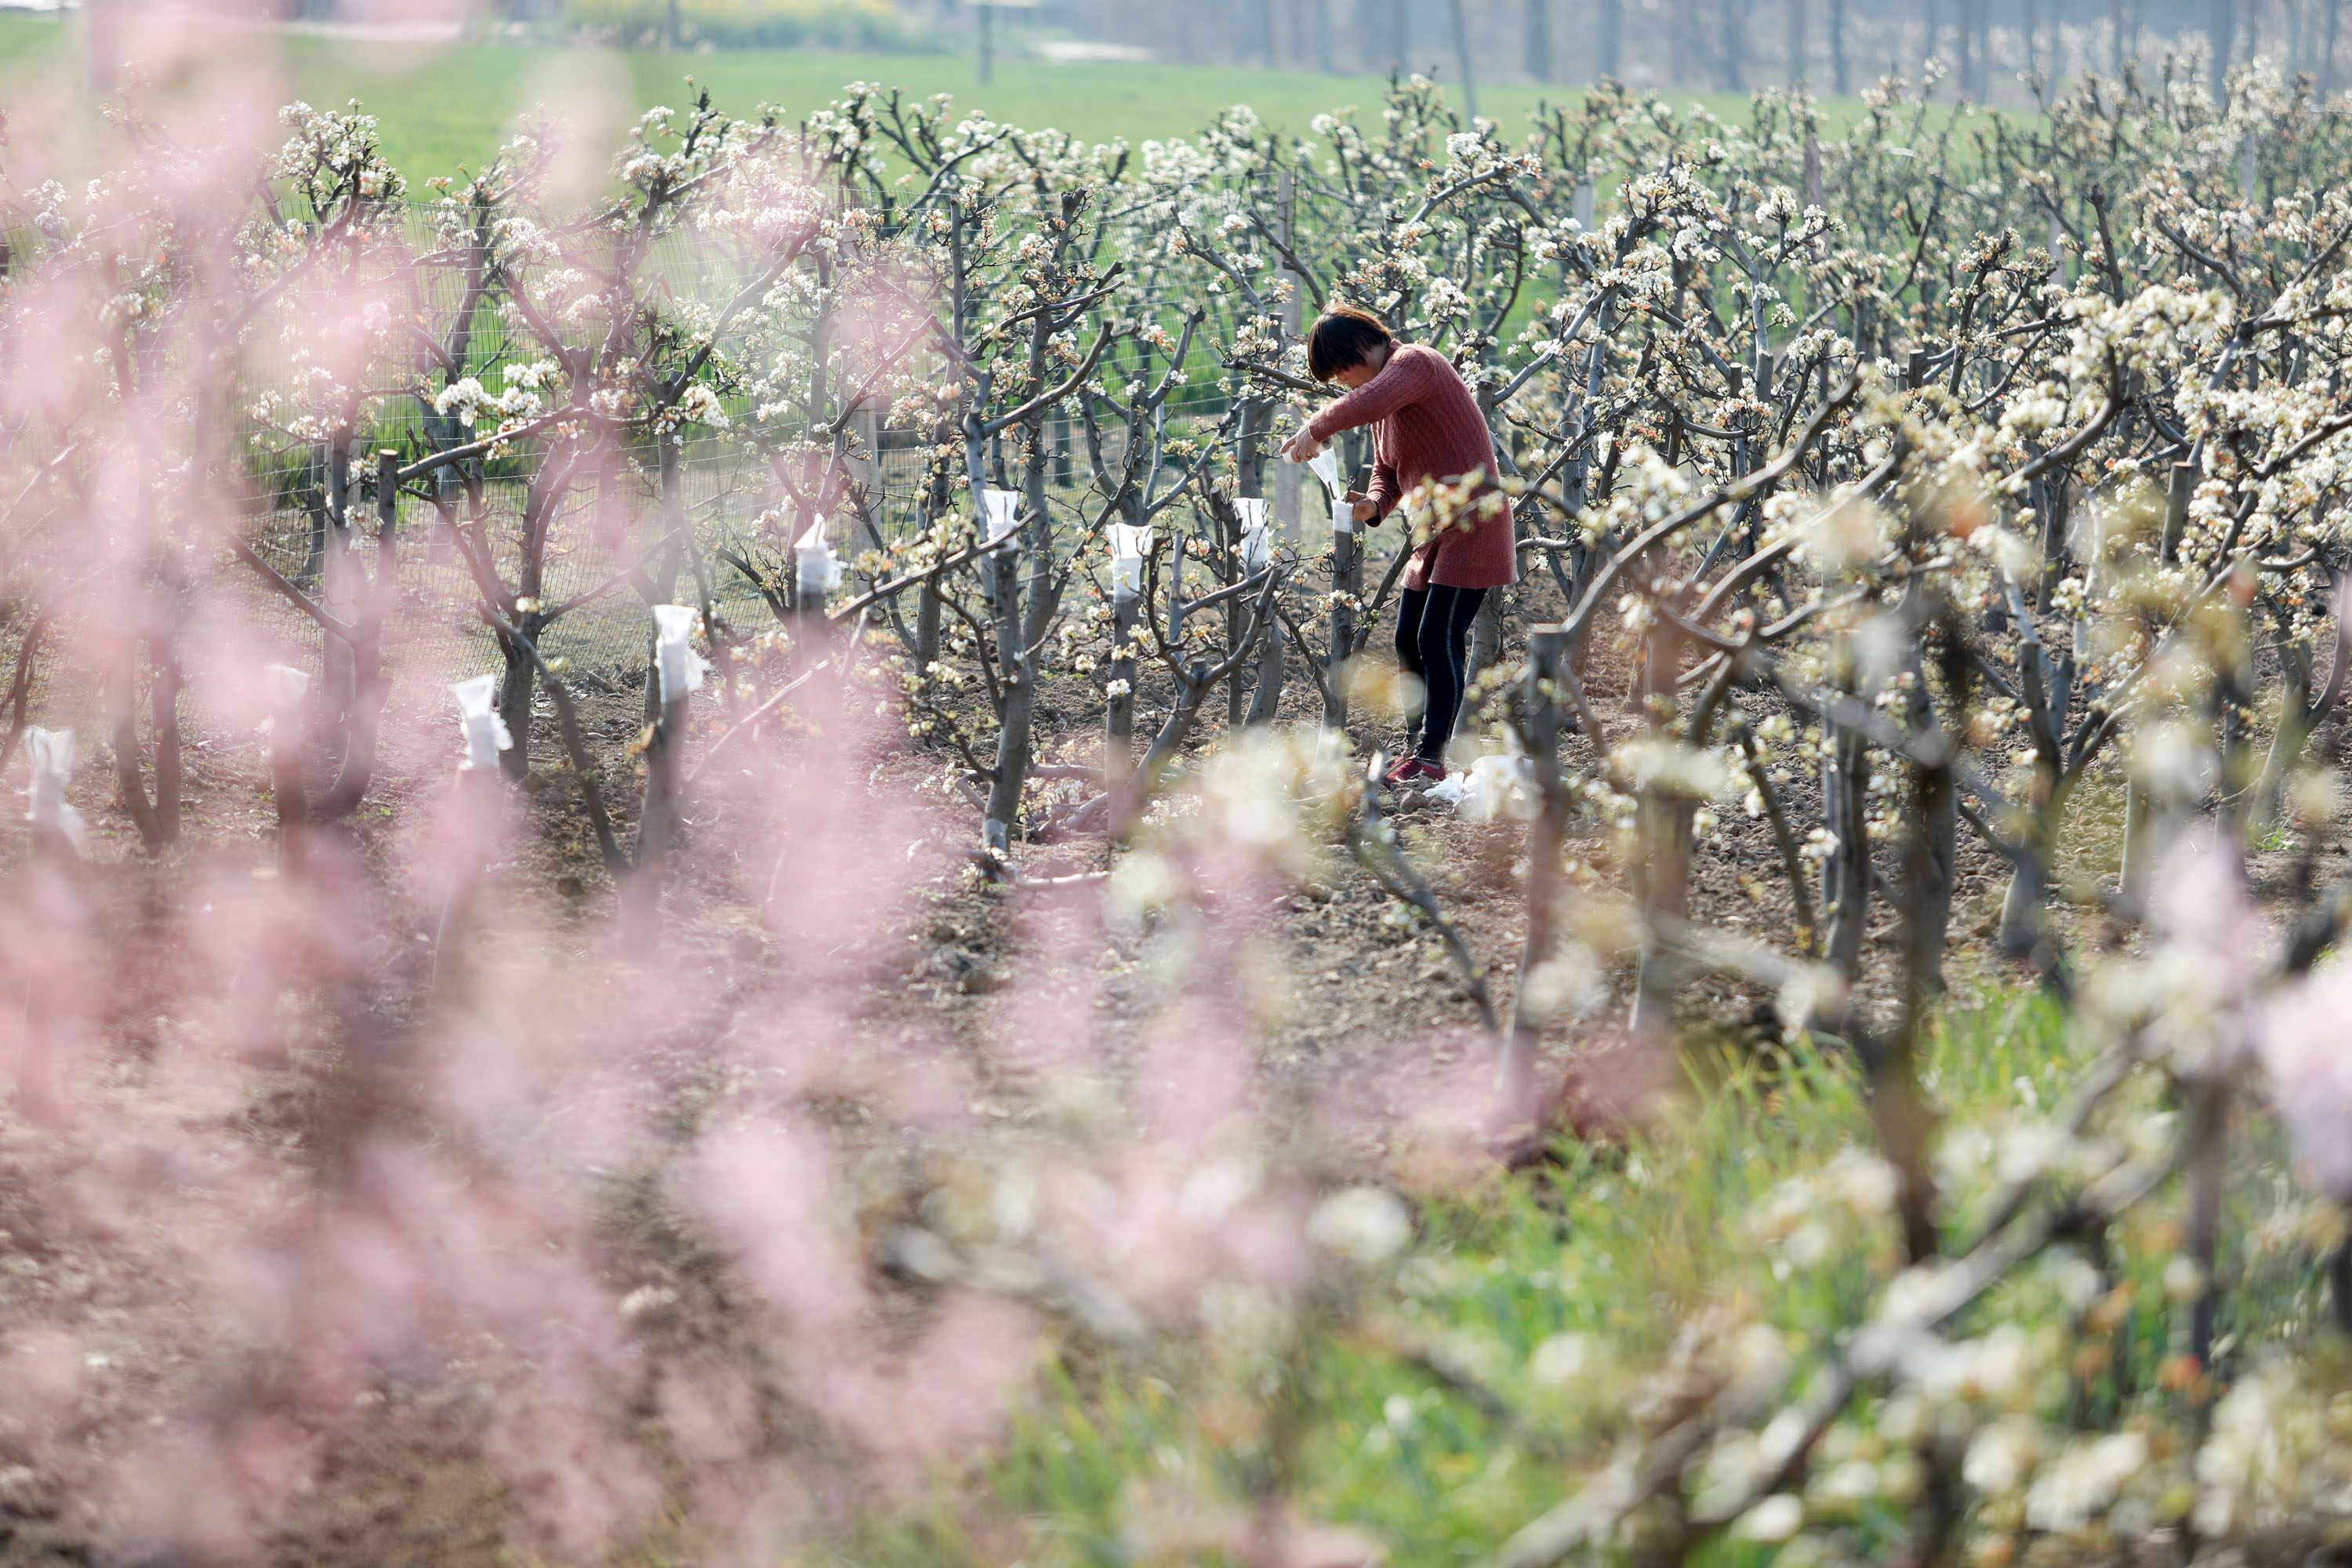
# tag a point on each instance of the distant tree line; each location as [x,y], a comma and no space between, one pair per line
[1979,47]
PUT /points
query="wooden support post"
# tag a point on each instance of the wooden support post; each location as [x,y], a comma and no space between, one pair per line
[1515,1073]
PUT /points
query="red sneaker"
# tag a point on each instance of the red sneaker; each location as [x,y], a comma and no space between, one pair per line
[1412,772]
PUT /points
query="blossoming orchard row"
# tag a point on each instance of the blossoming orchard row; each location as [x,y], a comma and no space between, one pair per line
[1882,487]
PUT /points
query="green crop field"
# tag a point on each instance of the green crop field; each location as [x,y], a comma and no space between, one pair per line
[446,108]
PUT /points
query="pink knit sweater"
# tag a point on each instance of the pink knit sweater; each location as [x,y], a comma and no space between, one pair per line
[1426,425]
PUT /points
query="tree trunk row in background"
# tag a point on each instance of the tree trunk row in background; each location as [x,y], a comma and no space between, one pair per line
[1981,48]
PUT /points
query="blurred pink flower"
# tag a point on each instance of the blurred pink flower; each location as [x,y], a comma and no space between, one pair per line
[2304,1042]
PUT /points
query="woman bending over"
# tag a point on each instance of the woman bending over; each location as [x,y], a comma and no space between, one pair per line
[1425,426]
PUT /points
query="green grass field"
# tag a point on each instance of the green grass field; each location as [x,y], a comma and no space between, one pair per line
[443,109]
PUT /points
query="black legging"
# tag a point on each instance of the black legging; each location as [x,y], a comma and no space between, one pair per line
[1432,641]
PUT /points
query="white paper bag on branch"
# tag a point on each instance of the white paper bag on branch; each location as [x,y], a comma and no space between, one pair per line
[288,686]
[1257,551]
[1004,513]
[1326,466]
[819,574]
[478,720]
[681,667]
[51,753]
[1129,544]
[1343,515]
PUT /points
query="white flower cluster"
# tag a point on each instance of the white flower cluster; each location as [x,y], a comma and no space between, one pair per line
[467,401]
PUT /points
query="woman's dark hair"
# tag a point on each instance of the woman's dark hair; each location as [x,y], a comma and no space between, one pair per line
[1343,336]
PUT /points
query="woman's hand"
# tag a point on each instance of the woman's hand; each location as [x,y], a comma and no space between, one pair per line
[1366,510]
[1301,447]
